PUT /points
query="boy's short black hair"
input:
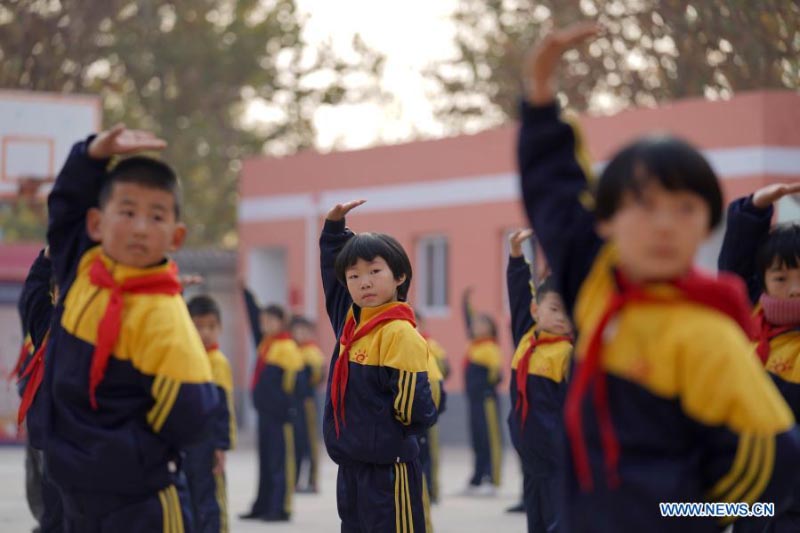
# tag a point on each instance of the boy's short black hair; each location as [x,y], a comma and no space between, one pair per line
[547,286]
[147,172]
[671,162]
[782,246]
[300,321]
[368,246]
[276,311]
[202,305]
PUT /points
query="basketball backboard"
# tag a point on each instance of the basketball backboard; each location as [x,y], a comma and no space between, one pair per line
[37,130]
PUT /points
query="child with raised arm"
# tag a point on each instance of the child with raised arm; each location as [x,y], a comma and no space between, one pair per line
[127,381]
[379,397]
[766,258]
[481,377]
[667,402]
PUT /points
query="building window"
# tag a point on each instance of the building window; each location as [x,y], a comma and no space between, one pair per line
[432,268]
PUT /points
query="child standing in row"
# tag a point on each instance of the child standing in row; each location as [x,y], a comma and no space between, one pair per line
[205,460]
[481,377]
[429,443]
[542,334]
[767,260]
[36,310]
[127,381]
[379,396]
[307,421]
[273,388]
[667,403]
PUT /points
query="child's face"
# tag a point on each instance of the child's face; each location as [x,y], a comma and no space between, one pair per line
[482,327]
[657,232]
[302,334]
[137,226]
[271,324]
[550,315]
[372,283]
[209,328]
[781,281]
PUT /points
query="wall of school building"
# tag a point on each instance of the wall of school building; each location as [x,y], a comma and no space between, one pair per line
[452,202]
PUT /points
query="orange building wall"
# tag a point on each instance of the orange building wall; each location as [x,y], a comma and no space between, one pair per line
[754,139]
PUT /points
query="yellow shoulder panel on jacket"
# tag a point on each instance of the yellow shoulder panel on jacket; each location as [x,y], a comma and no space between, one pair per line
[312,356]
[157,335]
[285,354]
[402,347]
[551,361]
[682,350]
[436,349]
[784,351]
[486,354]
[221,370]
[434,374]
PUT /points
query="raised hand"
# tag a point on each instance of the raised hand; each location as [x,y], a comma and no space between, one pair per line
[516,239]
[339,211]
[119,140]
[540,64]
[766,196]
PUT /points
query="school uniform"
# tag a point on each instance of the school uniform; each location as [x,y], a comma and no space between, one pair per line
[36,308]
[482,375]
[307,420]
[778,347]
[273,391]
[538,389]
[127,382]
[429,453]
[667,403]
[208,490]
[378,402]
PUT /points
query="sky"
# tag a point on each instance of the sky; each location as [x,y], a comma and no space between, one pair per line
[411,34]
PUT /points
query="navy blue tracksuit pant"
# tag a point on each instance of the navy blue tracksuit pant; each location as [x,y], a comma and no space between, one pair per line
[276,467]
[541,503]
[381,498]
[207,490]
[486,438]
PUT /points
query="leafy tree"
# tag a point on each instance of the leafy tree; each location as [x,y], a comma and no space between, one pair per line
[653,50]
[188,70]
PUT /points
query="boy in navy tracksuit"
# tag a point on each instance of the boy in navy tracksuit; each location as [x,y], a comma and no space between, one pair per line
[273,387]
[667,402]
[36,310]
[766,258]
[127,381]
[205,460]
[481,377]
[307,419]
[429,443]
[379,397]
[541,332]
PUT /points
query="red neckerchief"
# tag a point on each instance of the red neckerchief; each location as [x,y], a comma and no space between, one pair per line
[767,332]
[726,294]
[263,354]
[24,352]
[522,372]
[35,374]
[350,334]
[165,282]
